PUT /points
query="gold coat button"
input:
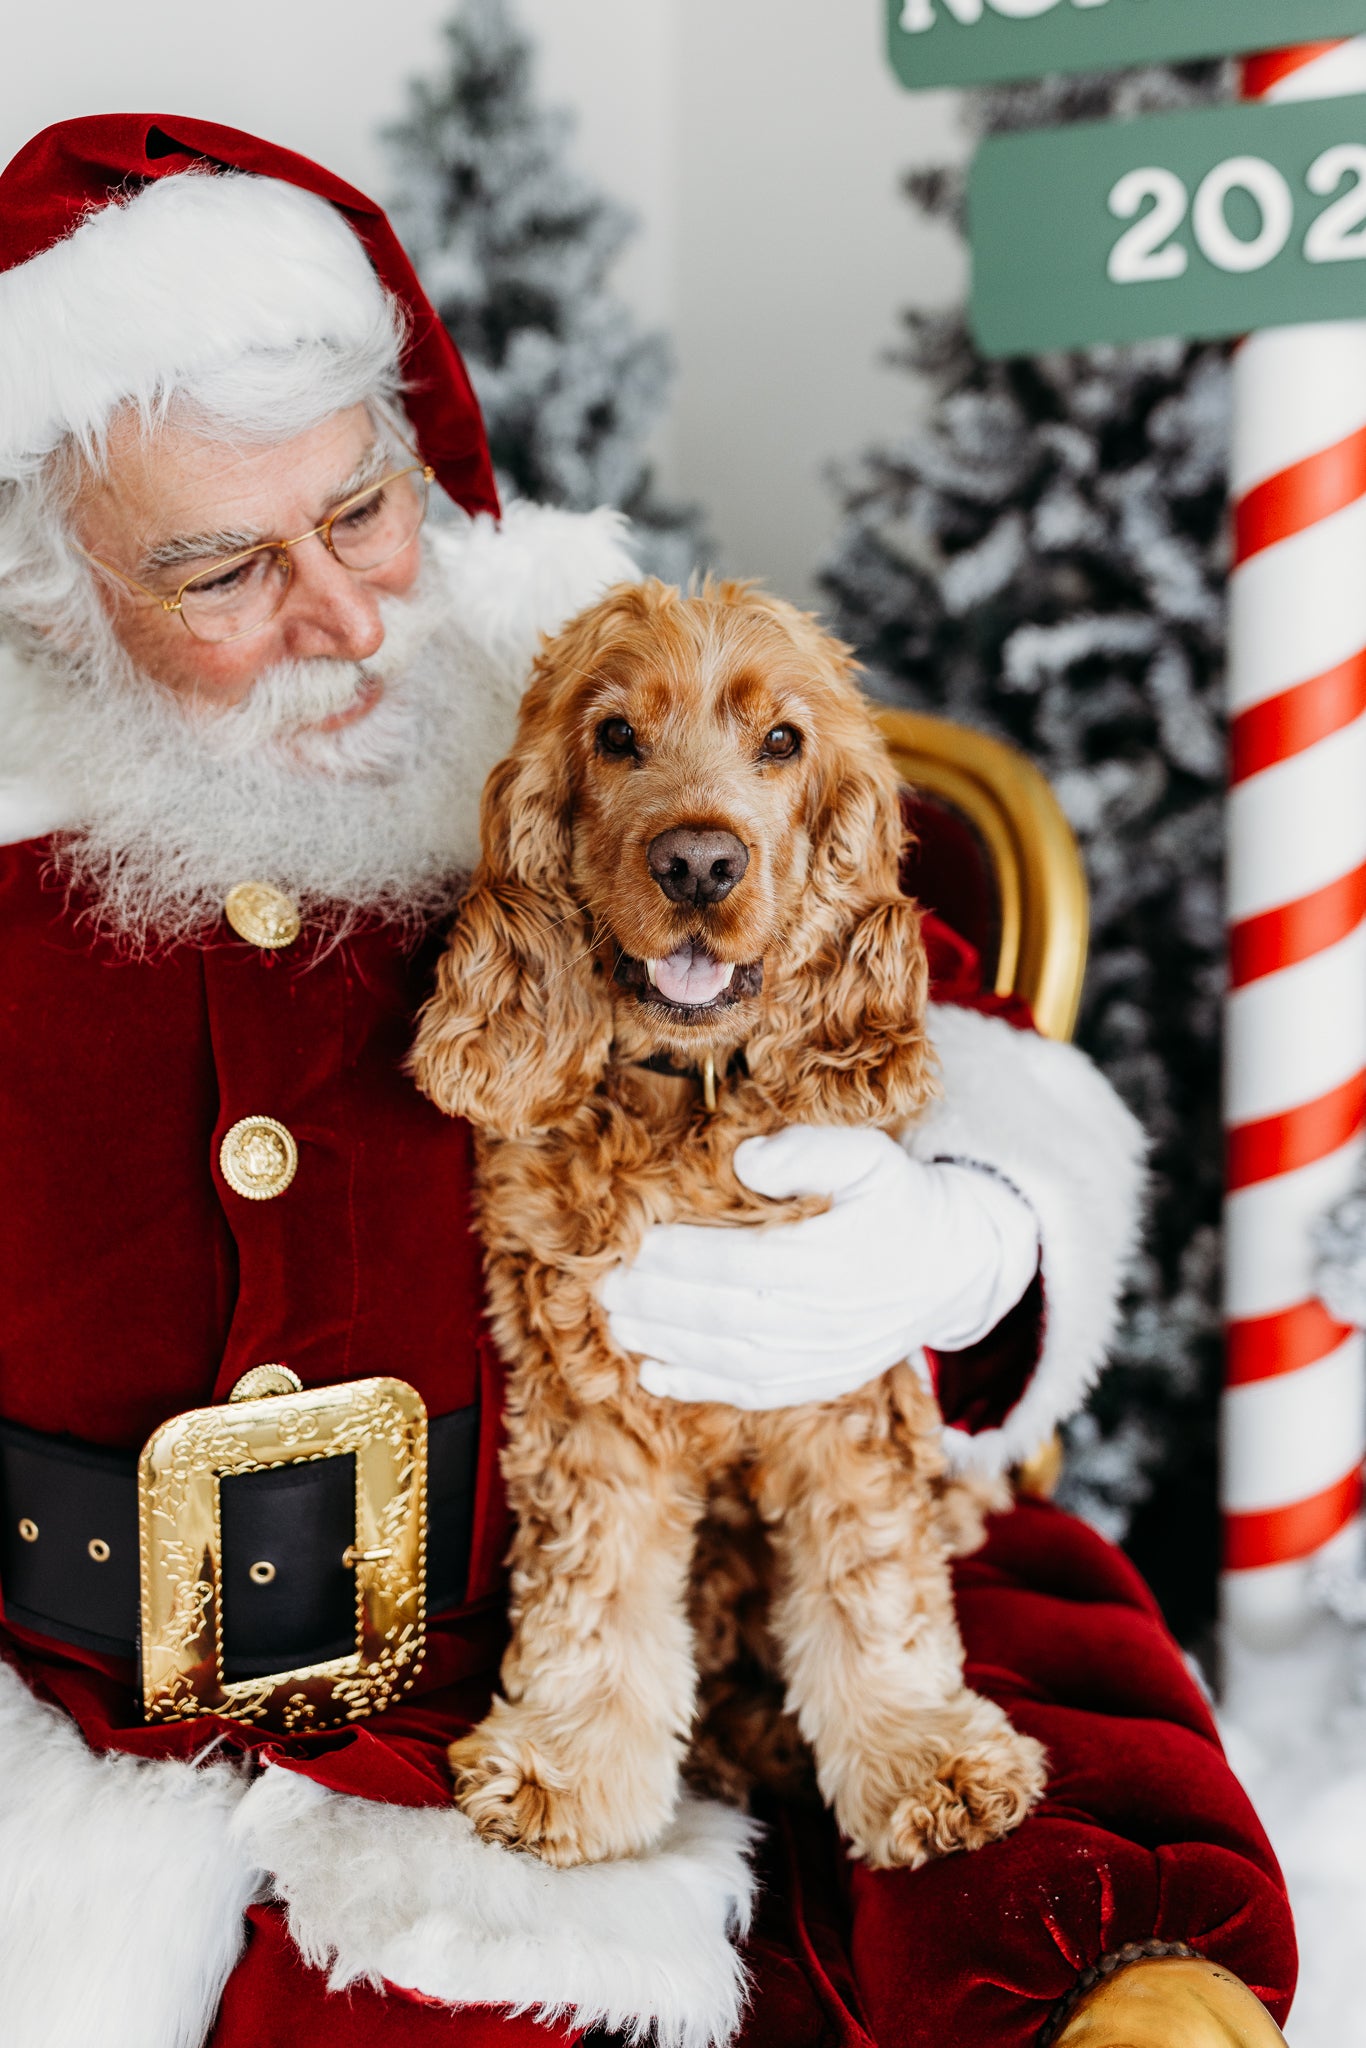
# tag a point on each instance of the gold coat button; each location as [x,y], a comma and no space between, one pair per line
[262,916]
[258,1158]
[261,1380]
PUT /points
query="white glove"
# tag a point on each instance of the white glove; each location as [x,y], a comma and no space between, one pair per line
[909,1254]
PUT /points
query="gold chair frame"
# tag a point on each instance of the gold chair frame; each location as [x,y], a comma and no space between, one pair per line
[1041,886]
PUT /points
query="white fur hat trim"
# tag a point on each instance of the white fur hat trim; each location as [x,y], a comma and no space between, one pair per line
[190,273]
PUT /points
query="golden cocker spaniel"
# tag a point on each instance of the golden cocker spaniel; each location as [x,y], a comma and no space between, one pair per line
[686,930]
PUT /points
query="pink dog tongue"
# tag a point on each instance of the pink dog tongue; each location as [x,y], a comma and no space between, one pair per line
[691,976]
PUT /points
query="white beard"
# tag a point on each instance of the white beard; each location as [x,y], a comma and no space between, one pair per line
[178,803]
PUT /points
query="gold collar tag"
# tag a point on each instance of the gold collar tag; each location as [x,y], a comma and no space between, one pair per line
[383,1424]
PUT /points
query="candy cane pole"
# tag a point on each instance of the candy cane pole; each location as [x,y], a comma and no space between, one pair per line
[1294,1413]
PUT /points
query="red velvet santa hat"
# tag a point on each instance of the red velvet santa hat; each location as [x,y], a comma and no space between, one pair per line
[119,275]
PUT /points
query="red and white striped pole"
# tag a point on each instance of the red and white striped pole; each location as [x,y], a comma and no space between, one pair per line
[1294,1414]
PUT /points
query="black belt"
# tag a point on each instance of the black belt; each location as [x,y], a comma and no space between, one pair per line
[69,1546]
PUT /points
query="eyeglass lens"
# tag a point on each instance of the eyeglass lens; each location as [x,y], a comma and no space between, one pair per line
[241,595]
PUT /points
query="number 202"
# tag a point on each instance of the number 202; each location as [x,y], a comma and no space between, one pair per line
[1148,255]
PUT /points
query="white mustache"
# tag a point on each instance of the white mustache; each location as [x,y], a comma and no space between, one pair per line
[282,703]
[286,701]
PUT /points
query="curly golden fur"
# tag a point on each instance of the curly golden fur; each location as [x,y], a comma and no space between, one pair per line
[725,712]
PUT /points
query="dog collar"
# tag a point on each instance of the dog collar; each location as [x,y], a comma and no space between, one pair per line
[705,1071]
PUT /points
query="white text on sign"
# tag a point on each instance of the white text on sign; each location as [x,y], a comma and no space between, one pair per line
[1148,254]
[984,41]
[919,15]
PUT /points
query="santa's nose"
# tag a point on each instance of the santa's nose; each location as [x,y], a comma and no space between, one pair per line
[331,613]
[694,864]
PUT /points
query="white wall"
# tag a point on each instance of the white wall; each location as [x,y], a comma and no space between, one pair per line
[615,63]
[759,140]
[313,74]
[795,252]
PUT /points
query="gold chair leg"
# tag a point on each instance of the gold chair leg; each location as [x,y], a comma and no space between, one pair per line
[1170,2002]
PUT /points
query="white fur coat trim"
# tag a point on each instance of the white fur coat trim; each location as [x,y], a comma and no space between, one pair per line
[1043,1116]
[527,574]
[121,1888]
[413,1897]
[512,581]
[123,1883]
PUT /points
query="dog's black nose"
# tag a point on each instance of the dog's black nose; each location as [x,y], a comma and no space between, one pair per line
[695,865]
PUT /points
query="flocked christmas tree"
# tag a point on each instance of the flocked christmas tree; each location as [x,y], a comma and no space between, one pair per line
[1046,559]
[514,248]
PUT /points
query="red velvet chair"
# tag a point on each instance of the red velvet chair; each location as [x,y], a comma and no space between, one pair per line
[1139,1902]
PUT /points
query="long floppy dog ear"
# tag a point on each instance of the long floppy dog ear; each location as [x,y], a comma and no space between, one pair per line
[846,1041]
[519,1028]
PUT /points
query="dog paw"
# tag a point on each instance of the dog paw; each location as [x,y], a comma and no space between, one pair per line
[510,1794]
[518,1794]
[967,1790]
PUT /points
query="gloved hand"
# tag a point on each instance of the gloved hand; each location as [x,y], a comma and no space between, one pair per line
[909,1254]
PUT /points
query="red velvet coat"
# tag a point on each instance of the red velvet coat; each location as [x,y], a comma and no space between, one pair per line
[160,1286]
[135,1283]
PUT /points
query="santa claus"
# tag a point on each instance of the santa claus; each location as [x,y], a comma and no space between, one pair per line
[264,631]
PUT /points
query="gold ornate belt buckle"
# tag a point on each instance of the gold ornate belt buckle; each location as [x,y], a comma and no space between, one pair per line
[382,1424]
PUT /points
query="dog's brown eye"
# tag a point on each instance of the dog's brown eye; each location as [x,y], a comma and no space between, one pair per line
[782,743]
[617,738]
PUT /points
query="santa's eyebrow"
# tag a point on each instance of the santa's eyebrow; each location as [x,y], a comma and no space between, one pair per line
[199,547]
[183,548]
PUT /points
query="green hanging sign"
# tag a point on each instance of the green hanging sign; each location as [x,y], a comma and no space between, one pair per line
[975,42]
[1201,224]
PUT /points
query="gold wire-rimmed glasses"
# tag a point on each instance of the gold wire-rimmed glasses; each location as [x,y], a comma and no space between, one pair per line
[242,593]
